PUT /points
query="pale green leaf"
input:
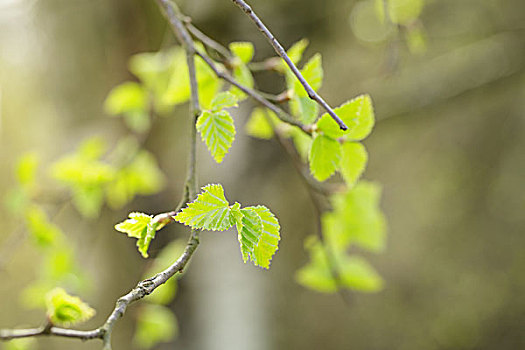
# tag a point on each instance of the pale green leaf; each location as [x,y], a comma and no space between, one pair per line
[357,114]
[65,310]
[416,39]
[210,211]
[88,199]
[126,97]
[41,229]
[138,120]
[143,227]
[295,52]
[400,11]
[357,218]
[26,169]
[269,241]
[353,162]
[243,76]
[249,229]
[223,100]
[325,155]
[302,142]
[259,124]
[317,274]
[156,324]
[312,73]
[243,50]
[135,225]
[20,344]
[141,176]
[217,131]
[357,274]
[304,108]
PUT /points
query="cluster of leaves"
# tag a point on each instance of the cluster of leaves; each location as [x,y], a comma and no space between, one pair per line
[355,218]
[93,181]
[378,20]
[58,266]
[257,227]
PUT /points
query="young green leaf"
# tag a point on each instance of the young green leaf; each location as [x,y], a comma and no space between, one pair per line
[210,211]
[140,226]
[357,114]
[353,162]
[156,324]
[126,97]
[312,73]
[217,131]
[269,241]
[64,309]
[243,76]
[325,155]
[258,125]
[243,50]
[357,274]
[223,100]
[249,229]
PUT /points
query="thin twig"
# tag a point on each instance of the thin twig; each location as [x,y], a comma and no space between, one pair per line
[282,53]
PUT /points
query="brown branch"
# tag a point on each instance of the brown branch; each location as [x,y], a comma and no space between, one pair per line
[282,53]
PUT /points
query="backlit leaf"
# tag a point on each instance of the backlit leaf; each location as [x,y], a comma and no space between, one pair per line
[210,211]
[217,131]
[64,309]
[325,155]
[353,162]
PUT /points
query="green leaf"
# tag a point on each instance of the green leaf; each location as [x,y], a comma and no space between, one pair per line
[210,211]
[269,241]
[141,176]
[20,344]
[400,11]
[352,272]
[353,162]
[64,309]
[41,229]
[357,274]
[126,97]
[243,76]
[249,229]
[305,108]
[156,324]
[243,50]
[140,226]
[295,52]
[258,125]
[302,142]
[357,218]
[357,114]
[312,73]
[223,100]
[26,169]
[317,274]
[88,199]
[217,131]
[325,155]
[135,225]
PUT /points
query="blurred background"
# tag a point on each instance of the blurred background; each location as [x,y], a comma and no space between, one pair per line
[448,149]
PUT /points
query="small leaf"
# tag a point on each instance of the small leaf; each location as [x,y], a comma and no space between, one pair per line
[312,73]
[258,125]
[217,131]
[126,97]
[26,169]
[356,273]
[243,76]
[243,50]
[269,241]
[249,229]
[140,226]
[304,108]
[357,114]
[325,155]
[42,230]
[223,100]
[64,309]
[353,162]
[156,324]
[210,211]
